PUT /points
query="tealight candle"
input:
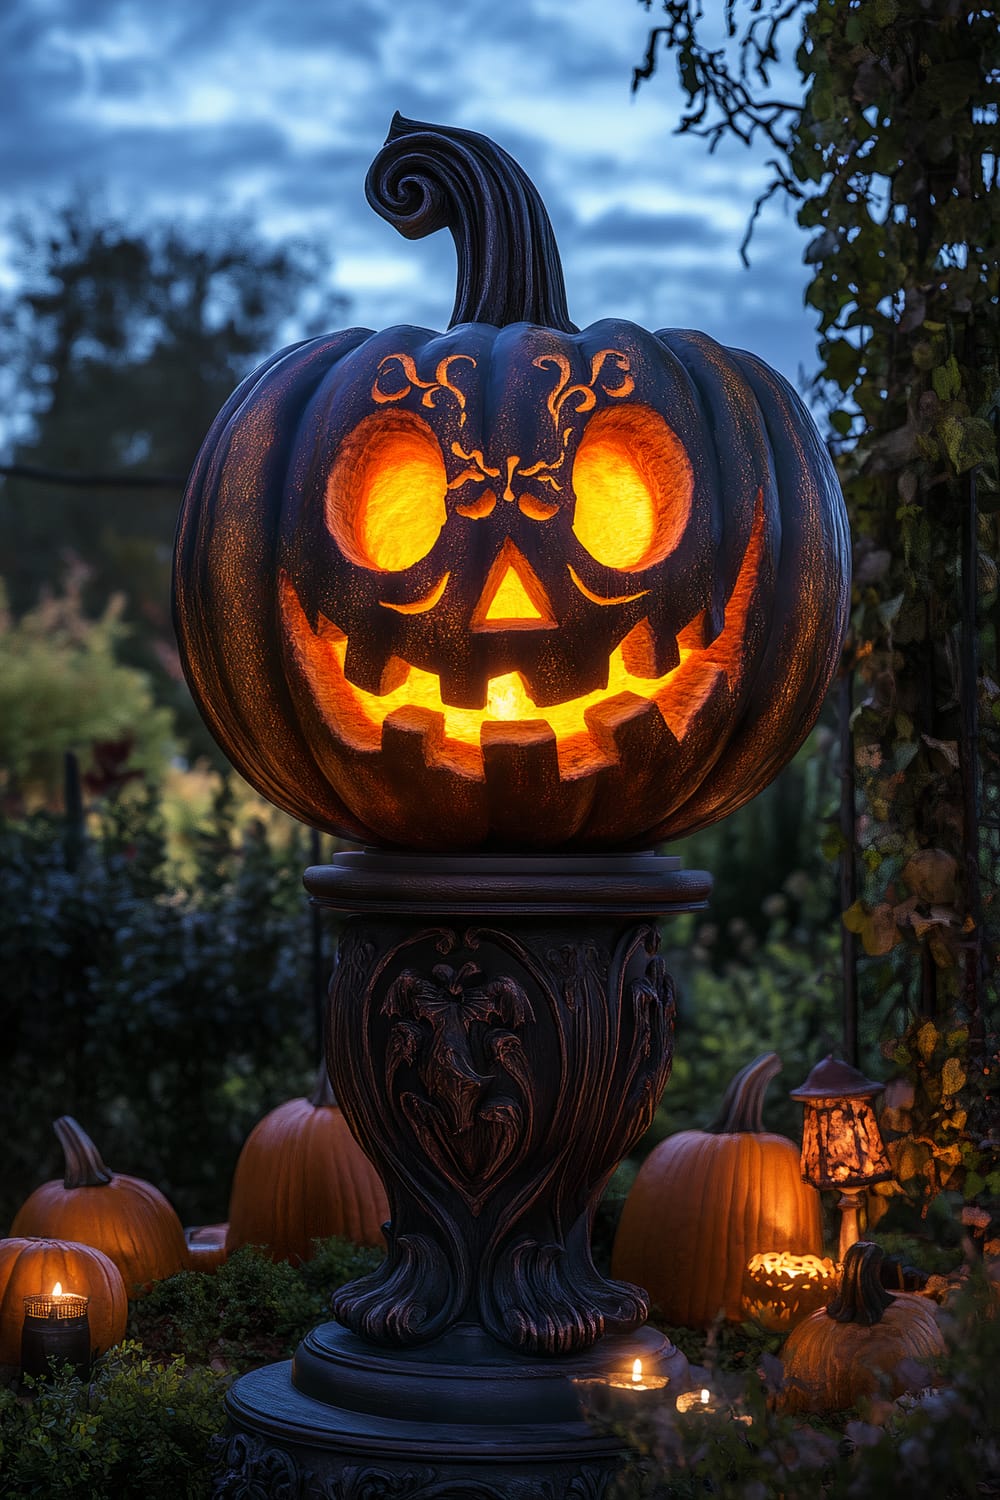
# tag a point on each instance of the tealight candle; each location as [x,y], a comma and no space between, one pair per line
[616,1398]
[637,1381]
[700,1401]
[56,1328]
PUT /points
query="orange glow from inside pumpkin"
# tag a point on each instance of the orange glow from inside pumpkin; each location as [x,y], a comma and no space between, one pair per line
[615,516]
[385,499]
[513,597]
[780,1270]
[634,483]
[511,602]
[583,741]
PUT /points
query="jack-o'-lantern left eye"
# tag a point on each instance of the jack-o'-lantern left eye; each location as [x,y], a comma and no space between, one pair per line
[385,498]
[633,482]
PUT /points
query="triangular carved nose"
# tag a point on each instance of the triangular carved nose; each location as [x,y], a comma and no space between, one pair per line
[513,596]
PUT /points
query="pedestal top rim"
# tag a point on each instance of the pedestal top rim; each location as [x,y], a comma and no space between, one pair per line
[642,884]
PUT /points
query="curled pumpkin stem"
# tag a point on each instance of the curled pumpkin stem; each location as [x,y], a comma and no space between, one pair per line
[862,1298]
[430,177]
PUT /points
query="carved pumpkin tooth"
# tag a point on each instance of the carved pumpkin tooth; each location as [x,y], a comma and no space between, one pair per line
[366,664]
[630,730]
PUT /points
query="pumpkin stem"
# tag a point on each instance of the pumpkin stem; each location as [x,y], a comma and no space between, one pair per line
[742,1111]
[429,177]
[323,1089]
[84,1167]
[862,1298]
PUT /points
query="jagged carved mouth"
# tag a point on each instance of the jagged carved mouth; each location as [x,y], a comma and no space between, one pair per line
[584,728]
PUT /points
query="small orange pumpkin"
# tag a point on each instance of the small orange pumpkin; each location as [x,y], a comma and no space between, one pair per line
[302,1176]
[705,1201]
[30,1266]
[127,1218]
[858,1343]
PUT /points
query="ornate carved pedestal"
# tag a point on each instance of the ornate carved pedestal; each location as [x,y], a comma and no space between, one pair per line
[501,1030]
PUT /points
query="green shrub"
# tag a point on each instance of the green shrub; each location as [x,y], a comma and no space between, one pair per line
[135,1429]
[166,1017]
[62,687]
[251,1310]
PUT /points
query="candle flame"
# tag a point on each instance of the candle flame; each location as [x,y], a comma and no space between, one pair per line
[57,1290]
[705,1394]
[636,1371]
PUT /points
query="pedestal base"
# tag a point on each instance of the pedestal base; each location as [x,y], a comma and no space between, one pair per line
[462,1419]
[500,1032]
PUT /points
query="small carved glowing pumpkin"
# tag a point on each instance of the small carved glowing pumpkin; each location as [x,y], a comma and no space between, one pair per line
[513,585]
[29,1266]
[127,1218]
[780,1289]
[705,1201]
[866,1340]
[302,1176]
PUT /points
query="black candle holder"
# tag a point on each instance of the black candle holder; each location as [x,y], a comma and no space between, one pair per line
[56,1331]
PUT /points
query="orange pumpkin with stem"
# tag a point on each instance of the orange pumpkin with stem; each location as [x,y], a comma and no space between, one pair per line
[302,1176]
[29,1266]
[705,1201]
[127,1218]
[865,1339]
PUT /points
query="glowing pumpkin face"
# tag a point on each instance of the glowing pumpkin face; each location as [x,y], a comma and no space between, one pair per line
[532,585]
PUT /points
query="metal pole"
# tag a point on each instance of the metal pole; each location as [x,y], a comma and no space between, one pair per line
[848,876]
[317,964]
[969,757]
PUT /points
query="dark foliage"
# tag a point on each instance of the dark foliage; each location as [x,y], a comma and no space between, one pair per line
[166,1019]
[251,1311]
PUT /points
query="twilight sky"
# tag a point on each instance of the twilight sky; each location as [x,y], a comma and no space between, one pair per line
[277,107]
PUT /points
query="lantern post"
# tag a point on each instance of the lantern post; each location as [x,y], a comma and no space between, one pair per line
[509,606]
[842,1144]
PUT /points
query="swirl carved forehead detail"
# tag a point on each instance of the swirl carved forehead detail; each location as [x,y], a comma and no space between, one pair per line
[610,374]
[395,365]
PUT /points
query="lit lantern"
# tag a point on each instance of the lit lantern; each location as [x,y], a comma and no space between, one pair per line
[780,1289]
[513,585]
[842,1146]
[30,1267]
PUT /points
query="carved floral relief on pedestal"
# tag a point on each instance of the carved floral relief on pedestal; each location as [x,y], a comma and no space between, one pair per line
[496,1077]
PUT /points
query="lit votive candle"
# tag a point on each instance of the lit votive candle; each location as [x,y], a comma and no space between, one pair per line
[616,1398]
[56,1329]
[636,1380]
[699,1401]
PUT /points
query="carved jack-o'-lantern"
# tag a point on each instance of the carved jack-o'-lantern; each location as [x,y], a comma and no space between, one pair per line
[513,584]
